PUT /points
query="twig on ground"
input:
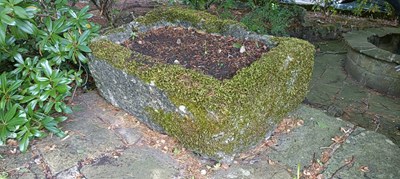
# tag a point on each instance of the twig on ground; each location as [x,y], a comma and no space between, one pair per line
[349,163]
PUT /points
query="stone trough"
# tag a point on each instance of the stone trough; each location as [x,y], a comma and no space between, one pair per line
[213,118]
[372,57]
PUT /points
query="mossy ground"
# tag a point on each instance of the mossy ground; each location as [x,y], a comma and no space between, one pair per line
[224,116]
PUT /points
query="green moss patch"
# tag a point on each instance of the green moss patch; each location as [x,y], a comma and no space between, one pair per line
[220,118]
[198,19]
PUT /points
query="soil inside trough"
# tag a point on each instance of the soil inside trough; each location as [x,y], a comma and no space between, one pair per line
[215,55]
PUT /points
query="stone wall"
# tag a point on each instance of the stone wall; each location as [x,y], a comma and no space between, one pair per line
[370,65]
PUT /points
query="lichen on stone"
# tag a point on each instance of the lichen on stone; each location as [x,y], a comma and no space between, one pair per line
[220,118]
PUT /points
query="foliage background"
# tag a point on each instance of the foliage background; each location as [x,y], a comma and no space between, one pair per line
[42,46]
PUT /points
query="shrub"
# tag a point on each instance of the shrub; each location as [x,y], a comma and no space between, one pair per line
[44,44]
[265,16]
[271,18]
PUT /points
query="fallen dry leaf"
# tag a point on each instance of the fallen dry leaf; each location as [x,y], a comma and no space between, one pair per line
[12,142]
[364,168]
[338,139]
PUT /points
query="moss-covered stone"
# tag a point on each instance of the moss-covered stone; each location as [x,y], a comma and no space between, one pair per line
[220,118]
[198,19]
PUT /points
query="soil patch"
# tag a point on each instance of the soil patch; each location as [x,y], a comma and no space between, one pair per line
[215,55]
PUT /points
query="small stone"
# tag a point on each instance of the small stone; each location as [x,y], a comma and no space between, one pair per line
[219,50]
[176,62]
[140,42]
[182,108]
[179,41]
[242,49]
[203,172]
[390,142]
[245,172]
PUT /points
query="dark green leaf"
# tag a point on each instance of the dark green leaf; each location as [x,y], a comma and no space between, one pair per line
[84,37]
[87,16]
[67,109]
[15,85]
[48,106]
[49,24]
[60,118]
[24,142]
[3,102]
[3,82]
[26,26]
[82,57]
[17,97]
[17,122]
[46,67]
[72,13]
[38,133]
[11,113]
[31,105]
[15,2]
[44,96]
[237,45]
[62,88]
[57,107]
[20,12]
[7,19]
[27,99]
[3,28]
[18,58]
[84,11]
[84,48]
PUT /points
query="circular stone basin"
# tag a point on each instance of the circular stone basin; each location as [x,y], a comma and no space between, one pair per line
[372,57]
[390,42]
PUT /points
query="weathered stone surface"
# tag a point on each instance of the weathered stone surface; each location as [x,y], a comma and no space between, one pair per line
[134,163]
[22,165]
[361,106]
[130,92]
[299,146]
[214,118]
[371,65]
[87,138]
[260,169]
[369,149]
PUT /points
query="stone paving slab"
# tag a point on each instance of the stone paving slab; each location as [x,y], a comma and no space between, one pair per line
[299,145]
[88,136]
[369,149]
[331,86]
[24,165]
[257,170]
[118,159]
[133,163]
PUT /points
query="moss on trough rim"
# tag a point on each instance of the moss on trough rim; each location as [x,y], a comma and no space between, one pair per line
[224,117]
[198,19]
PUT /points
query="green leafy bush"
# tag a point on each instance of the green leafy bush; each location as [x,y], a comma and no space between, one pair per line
[44,44]
[270,18]
[265,16]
